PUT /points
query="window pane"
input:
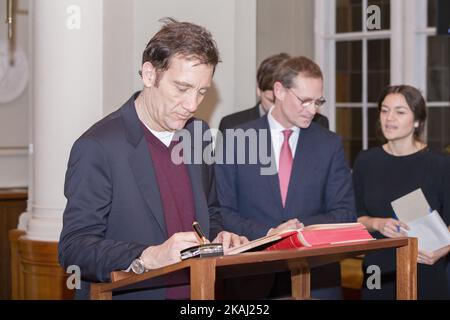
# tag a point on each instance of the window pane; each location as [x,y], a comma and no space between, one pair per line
[375,134]
[378,67]
[348,15]
[439,128]
[432,13]
[348,71]
[438,72]
[349,126]
[385,11]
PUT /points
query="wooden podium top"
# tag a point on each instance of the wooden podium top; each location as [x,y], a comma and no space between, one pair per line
[13,194]
[262,262]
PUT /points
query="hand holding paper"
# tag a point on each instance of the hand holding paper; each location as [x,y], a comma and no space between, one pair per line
[429,228]
[391,228]
[430,258]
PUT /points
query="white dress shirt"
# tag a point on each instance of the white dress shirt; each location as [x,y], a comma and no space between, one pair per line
[276,132]
[164,136]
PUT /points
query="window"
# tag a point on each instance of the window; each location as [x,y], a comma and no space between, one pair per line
[358,62]
[437,83]
[361,68]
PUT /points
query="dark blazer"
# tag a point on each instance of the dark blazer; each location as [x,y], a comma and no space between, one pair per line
[320,188]
[320,191]
[113,207]
[233,120]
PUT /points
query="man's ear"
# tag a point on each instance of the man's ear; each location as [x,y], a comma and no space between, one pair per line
[279,91]
[148,74]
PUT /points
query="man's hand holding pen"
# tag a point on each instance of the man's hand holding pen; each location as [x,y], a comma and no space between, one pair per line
[169,251]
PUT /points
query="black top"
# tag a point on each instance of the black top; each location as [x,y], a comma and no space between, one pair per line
[379,178]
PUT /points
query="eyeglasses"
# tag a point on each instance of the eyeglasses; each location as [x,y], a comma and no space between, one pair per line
[306,103]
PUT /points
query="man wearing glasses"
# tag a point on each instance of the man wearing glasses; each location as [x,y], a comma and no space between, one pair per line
[312,183]
[264,91]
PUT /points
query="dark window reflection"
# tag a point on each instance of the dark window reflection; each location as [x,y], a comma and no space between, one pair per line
[439,128]
[374,130]
[349,71]
[432,13]
[438,69]
[349,126]
[348,16]
[378,67]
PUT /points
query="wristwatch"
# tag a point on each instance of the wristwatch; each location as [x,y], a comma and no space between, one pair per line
[137,266]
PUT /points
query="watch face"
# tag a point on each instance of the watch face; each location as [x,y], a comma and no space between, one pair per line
[137,266]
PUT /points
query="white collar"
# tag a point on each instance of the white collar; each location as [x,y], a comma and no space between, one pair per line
[164,136]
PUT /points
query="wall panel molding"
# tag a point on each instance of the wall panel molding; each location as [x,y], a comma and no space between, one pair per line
[13,167]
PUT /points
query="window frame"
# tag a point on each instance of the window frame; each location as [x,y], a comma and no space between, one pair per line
[408,52]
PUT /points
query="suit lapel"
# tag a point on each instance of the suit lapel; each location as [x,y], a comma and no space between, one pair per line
[141,164]
[303,161]
[196,177]
[201,206]
[272,180]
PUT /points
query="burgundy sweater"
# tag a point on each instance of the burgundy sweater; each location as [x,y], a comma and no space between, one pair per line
[177,199]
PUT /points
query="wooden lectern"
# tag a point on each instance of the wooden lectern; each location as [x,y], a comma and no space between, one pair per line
[205,271]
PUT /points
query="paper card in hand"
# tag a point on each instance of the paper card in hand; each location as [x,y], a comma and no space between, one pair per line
[411,206]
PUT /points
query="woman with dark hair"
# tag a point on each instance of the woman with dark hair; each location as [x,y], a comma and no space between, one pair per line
[401,165]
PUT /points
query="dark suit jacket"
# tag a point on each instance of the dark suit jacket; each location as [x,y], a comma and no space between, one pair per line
[235,119]
[320,188]
[114,209]
[320,191]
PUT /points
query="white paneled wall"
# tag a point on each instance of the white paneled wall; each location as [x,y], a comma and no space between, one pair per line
[246,32]
[233,25]
[14,121]
[285,26]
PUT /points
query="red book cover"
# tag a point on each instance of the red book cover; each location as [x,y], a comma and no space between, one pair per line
[310,236]
[322,235]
